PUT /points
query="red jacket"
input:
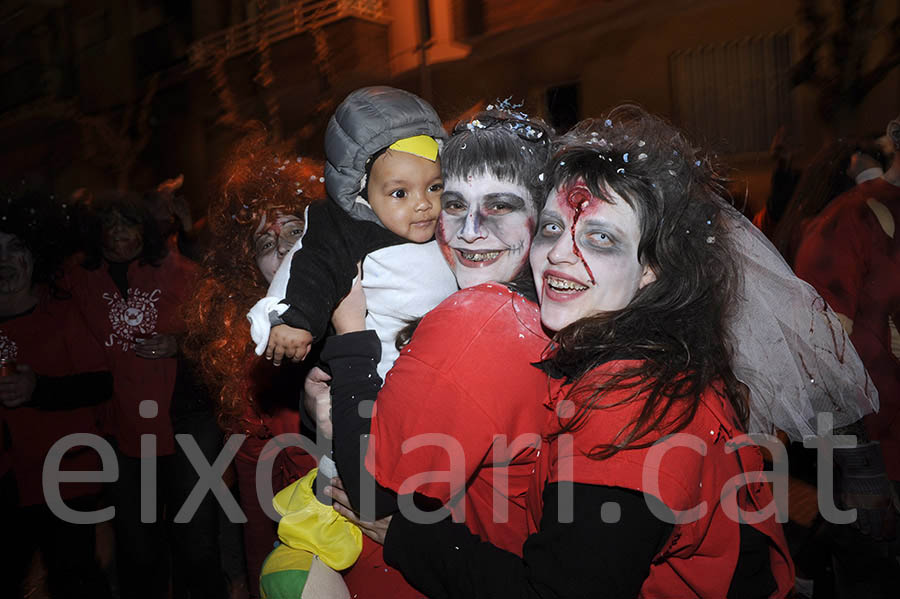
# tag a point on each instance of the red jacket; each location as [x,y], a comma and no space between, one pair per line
[701,556]
[155,296]
[467,377]
[851,255]
[54,341]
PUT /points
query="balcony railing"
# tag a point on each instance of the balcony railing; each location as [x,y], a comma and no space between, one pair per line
[279,24]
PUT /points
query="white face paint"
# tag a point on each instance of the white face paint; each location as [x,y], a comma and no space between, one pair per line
[16,265]
[273,241]
[584,256]
[485,228]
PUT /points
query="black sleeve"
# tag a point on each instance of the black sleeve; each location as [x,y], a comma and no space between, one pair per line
[353,360]
[54,393]
[582,558]
[322,271]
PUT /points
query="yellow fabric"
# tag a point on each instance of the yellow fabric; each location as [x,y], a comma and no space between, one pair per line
[418,145]
[309,525]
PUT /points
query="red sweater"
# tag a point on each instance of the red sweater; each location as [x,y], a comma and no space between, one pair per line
[54,341]
[155,295]
[700,557]
[851,255]
[465,384]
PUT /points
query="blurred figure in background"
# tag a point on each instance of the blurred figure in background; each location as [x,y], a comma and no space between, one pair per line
[832,171]
[851,255]
[783,182]
[53,375]
[130,288]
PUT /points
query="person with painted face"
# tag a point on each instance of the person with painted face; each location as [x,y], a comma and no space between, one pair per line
[643,486]
[383,175]
[254,220]
[55,382]
[466,373]
[488,213]
[131,291]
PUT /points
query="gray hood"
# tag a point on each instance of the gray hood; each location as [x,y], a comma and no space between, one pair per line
[368,120]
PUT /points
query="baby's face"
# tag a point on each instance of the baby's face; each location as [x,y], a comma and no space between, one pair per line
[405,193]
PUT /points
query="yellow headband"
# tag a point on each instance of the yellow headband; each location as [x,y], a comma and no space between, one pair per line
[418,145]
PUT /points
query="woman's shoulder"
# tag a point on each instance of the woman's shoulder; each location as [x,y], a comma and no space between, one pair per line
[489,307]
[482,302]
[485,318]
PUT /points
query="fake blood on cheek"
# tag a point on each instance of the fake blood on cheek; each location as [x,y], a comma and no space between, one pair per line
[578,199]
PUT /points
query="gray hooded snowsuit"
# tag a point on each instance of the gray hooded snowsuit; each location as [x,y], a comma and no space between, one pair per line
[402,280]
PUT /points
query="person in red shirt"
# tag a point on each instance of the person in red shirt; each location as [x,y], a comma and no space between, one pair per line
[59,381]
[254,220]
[130,290]
[490,203]
[642,486]
[852,257]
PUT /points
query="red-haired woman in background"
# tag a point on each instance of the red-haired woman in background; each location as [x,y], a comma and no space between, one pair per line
[254,220]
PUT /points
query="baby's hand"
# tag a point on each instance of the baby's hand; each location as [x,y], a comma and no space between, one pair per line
[287,342]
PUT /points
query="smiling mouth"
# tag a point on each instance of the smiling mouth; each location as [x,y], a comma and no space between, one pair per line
[478,258]
[563,285]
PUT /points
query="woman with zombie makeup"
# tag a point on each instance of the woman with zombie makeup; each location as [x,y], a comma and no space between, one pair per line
[661,297]
[130,290]
[254,220]
[54,378]
[465,373]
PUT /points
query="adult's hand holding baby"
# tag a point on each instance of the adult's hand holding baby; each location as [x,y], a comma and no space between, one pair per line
[317,399]
[350,314]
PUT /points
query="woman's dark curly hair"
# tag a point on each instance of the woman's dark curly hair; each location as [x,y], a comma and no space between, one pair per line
[132,208]
[258,180]
[45,226]
[674,326]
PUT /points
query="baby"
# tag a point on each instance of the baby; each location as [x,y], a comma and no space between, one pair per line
[383,175]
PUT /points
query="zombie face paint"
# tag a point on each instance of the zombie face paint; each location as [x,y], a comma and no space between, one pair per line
[274,240]
[16,265]
[485,228]
[584,256]
[123,238]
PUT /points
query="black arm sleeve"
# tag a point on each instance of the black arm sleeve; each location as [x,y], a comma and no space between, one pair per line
[585,558]
[353,360]
[54,393]
[322,271]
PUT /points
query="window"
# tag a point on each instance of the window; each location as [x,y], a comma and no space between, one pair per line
[562,106]
[733,96]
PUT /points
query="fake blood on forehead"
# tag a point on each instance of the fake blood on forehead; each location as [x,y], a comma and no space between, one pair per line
[578,199]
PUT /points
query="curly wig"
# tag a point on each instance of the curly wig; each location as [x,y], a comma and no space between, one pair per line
[675,326]
[258,180]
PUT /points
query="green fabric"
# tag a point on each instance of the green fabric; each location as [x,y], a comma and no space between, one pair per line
[284,573]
